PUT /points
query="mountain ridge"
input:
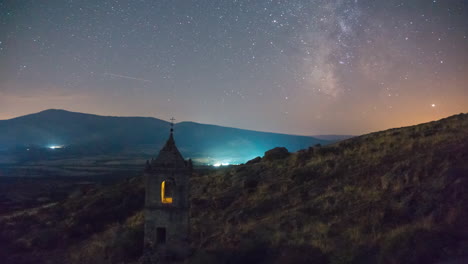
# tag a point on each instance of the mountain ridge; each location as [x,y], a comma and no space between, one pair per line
[85,134]
[56,110]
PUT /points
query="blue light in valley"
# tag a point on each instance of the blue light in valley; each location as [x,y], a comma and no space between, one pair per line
[223,159]
[223,164]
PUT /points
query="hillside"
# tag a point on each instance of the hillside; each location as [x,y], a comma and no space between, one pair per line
[84,135]
[396,196]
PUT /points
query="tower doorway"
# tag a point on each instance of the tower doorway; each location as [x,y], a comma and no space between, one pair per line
[161,235]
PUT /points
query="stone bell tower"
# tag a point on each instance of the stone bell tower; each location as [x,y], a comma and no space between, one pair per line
[167,203]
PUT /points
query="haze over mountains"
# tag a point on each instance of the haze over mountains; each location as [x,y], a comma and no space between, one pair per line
[87,134]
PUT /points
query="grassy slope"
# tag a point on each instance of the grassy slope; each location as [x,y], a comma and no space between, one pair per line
[397,196]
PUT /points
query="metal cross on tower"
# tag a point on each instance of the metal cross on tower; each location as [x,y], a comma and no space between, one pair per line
[172,124]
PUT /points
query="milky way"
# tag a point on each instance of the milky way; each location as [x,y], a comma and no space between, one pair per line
[303,67]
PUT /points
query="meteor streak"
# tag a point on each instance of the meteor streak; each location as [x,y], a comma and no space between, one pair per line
[127,77]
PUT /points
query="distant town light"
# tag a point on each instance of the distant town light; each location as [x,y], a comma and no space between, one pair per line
[56,147]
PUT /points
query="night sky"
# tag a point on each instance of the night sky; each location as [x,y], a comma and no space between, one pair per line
[302,67]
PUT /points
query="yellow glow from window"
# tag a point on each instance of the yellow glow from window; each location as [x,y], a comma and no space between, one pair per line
[164,199]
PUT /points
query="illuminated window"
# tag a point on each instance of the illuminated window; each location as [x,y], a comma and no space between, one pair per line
[166,192]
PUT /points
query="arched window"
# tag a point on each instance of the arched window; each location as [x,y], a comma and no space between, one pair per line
[167,189]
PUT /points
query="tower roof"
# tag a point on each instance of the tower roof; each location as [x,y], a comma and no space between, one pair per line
[169,156]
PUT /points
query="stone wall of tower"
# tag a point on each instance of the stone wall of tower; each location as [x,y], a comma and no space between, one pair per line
[173,217]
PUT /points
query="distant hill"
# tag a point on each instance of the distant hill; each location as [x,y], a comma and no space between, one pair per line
[396,196]
[333,137]
[87,134]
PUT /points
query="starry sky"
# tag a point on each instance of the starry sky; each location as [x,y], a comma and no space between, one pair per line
[293,66]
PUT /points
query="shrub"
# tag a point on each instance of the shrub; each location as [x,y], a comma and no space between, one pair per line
[276,153]
[413,245]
